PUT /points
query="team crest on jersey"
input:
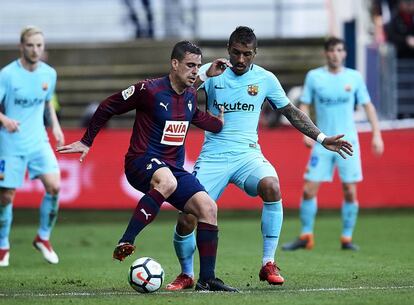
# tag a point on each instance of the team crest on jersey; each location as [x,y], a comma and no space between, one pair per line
[174,133]
[2,169]
[190,105]
[127,93]
[45,86]
[348,87]
[253,89]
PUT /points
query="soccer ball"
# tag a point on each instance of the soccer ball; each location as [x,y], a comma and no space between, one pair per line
[145,275]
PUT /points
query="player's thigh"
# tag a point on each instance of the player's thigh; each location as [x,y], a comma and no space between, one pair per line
[350,169]
[250,170]
[213,175]
[321,165]
[12,171]
[42,162]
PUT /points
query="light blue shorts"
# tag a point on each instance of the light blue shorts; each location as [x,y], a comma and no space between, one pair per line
[245,170]
[13,168]
[322,164]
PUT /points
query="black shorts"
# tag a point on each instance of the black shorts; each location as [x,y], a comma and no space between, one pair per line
[139,173]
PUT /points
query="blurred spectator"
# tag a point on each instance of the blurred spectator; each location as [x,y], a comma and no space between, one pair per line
[140,31]
[382,11]
[400,30]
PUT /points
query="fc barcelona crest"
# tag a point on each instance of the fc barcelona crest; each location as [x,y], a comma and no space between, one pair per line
[253,89]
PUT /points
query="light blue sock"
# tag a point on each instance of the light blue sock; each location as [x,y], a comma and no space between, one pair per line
[349,217]
[6,217]
[48,214]
[272,219]
[308,210]
[184,248]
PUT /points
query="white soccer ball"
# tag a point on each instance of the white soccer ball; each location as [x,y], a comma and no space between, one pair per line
[145,275]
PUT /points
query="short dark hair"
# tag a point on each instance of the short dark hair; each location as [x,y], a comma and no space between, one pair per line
[183,47]
[333,41]
[243,35]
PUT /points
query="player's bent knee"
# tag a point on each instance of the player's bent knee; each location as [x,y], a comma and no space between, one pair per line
[7,196]
[269,189]
[53,189]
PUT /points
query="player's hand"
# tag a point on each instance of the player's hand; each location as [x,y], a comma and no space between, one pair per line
[377,145]
[218,66]
[336,144]
[10,124]
[75,147]
[58,134]
[308,142]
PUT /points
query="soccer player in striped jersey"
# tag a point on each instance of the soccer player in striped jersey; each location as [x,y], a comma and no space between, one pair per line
[234,154]
[154,162]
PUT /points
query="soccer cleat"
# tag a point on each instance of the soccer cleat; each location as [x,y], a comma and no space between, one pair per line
[4,257]
[305,241]
[45,247]
[270,273]
[183,281]
[346,244]
[213,285]
[123,250]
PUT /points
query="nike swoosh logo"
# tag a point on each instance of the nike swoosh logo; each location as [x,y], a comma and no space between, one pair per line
[218,87]
[139,276]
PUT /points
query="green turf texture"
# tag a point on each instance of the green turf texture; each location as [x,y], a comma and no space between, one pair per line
[382,272]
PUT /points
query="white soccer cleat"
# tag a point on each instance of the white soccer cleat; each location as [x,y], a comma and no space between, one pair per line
[4,257]
[45,247]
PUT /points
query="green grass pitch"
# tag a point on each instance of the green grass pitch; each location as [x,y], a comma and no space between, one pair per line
[382,272]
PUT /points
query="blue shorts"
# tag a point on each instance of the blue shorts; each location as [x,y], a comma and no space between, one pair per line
[244,169]
[322,164]
[139,173]
[13,168]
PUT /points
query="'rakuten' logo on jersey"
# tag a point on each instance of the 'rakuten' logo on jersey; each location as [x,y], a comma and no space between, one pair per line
[174,133]
[238,106]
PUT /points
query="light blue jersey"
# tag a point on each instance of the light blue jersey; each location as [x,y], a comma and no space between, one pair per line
[242,98]
[334,97]
[23,95]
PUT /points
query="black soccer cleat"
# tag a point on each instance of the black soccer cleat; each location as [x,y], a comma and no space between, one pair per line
[214,285]
[349,246]
[305,241]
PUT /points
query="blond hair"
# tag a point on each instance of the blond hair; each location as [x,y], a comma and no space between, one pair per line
[29,31]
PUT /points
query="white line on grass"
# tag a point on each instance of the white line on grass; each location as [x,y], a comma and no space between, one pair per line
[117,293]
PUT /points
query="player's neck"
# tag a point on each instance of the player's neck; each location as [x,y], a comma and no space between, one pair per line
[27,65]
[175,84]
[335,69]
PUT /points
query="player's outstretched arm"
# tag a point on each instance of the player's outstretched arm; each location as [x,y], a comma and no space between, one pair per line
[304,124]
[75,147]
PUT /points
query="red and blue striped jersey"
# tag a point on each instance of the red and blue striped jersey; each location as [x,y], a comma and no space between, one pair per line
[161,122]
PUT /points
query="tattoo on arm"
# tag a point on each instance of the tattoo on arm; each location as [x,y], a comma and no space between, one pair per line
[300,121]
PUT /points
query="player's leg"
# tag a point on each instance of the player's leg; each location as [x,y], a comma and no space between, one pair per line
[12,170]
[210,173]
[6,218]
[350,173]
[162,184]
[43,164]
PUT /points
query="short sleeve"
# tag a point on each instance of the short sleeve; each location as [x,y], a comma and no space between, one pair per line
[307,92]
[3,85]
[275,95]
[361,93]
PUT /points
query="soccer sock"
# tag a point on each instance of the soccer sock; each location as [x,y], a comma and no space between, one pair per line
[6,217]
[349,217]
[184,248]
[272,219]
[308,209]
[48,214]
[207,241]
[145,212]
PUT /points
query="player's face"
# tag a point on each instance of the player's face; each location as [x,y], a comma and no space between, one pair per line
[186,70]
[241,57]
[335,56]
[32,48]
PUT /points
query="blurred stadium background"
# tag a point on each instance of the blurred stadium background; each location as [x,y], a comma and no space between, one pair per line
[97,49]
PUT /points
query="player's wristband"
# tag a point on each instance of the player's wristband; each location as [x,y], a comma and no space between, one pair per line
[203,76]
[321,137]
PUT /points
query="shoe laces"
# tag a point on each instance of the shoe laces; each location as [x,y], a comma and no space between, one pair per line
[272,268]
[181,278]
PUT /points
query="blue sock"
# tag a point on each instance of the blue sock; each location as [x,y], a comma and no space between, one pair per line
[6,217]
[145,212]
[308,209]
[272,218]
[349,217]
[48,214]
[184,248]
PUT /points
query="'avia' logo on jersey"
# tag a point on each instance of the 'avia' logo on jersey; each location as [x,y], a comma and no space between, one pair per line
[238,106]
[174,133]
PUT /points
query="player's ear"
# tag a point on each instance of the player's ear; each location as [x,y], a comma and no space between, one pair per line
[174,64]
